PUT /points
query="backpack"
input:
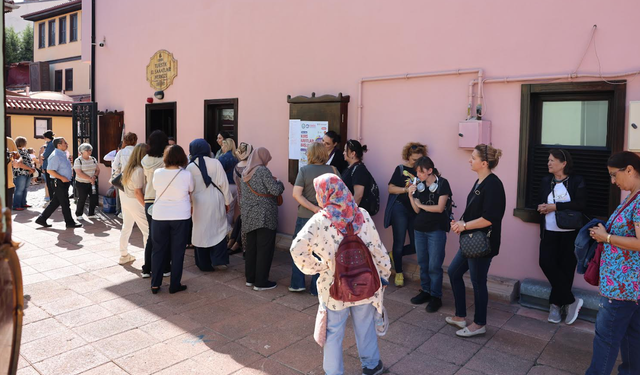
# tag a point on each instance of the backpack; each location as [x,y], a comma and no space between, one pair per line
[373,198]
[355,277]
[448,208]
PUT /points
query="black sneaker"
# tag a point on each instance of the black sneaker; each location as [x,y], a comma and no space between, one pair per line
[422,297]
[267,286]
[74,225]
[43,222]
[373,371]
[434,305]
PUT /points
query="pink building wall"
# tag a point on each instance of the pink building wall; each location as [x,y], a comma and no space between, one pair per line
[261,51]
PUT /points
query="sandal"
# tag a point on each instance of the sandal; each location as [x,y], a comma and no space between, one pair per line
[155,289]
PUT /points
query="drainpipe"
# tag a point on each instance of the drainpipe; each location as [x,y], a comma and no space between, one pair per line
[407,76]
[93,50]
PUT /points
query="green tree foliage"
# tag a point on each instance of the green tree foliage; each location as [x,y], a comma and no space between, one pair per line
[18,46]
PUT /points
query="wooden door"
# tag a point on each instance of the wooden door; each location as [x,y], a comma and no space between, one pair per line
[111,126]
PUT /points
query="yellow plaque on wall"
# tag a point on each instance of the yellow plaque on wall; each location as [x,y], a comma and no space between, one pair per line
[162,69]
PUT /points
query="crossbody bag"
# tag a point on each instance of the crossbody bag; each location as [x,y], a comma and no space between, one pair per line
[566,219]
[475,243]
[150,208]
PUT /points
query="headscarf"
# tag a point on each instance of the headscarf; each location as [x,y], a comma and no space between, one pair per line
[243,156]
[259,157]
[198,149]
[338,203]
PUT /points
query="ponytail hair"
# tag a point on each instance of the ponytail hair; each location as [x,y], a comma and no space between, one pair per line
[426,163]
[357,147]
[489,154]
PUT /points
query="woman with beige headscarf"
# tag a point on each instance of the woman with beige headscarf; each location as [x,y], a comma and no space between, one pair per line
[236,239]
[259,210]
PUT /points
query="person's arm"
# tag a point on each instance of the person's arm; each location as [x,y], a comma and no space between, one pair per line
[393,188]
[414,201]
[377,249]
[274,187]
[55,174]
[435,208]
[139,196]
[302,248]
[627,243]
[358,193]
[297,195]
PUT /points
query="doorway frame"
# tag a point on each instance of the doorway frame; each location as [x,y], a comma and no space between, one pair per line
[219,102]
[153,106]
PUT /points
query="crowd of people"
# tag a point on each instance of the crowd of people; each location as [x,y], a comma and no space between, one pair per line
[227,202]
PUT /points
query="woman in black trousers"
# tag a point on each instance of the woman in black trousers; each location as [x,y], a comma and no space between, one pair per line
[560,190]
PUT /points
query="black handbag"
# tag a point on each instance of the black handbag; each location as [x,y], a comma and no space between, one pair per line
[475,243]
[567,219]
[117,182]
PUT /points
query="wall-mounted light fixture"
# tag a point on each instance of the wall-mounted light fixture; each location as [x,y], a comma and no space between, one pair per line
[159,95]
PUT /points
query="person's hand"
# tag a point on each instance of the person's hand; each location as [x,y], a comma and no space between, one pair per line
[226,208]
[457,226]
[93,179]
[316,209]
[599,233]
[64,179]
[542,208]
[411,189]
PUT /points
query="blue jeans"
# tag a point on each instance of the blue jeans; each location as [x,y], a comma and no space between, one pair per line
[366,338]
[617,331]
[478,268]
[401,222]
[20,193]
[297,277]
[430,252]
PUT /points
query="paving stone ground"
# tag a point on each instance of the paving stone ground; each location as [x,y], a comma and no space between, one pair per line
[85,314]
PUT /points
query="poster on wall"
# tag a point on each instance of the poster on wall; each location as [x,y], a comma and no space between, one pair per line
[301,134]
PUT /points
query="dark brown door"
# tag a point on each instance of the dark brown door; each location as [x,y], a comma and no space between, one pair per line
[162,116]
[220,115]
[110,130]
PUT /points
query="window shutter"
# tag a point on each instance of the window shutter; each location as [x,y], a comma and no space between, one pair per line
[590,163]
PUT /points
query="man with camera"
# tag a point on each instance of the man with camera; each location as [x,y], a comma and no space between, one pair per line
[60,172]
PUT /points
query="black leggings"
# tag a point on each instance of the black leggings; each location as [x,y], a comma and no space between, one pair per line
[558,262]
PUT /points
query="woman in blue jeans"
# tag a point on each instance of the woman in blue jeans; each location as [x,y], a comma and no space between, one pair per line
[429,200]
[401,213]
[618,321]
[305,194]
[22,175]
[485,209]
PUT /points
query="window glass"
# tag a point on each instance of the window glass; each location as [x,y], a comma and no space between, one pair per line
[575,123]
[52,33]
[41,35]
[74,27]
[63,30]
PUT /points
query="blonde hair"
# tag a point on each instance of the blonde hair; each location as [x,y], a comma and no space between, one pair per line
[229,145]
[489,154]
[134,161]
[413,148]
[317,153]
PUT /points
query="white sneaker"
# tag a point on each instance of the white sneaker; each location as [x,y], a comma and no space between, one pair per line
[126,259]
[120,215]
[93,217]
[459,324]
[297,289]
[573,310]
[554,314]
[166,274]
[248,284]
[146,275]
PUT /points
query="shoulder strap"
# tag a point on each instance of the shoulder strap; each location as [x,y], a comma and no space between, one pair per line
[165,189]
[626,204]
[476,192]
[212,183]
[259,194]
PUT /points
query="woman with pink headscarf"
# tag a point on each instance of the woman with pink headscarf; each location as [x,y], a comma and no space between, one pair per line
[313,251]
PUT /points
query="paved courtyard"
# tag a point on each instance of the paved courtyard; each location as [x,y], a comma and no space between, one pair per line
[85,314]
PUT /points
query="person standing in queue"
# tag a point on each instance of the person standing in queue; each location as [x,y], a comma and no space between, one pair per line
[60,171]
[331,142]
[48,150]
[399,213]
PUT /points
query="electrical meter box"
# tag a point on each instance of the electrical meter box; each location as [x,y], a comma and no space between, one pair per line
[633,137]
[474,132]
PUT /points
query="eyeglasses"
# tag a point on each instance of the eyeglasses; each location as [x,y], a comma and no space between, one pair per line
[613,175]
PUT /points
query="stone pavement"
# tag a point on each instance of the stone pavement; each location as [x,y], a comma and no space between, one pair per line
[85,314]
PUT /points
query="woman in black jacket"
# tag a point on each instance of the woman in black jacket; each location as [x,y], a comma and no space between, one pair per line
[331,140]
[560,190]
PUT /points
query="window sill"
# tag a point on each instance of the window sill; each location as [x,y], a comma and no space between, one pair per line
[528,215]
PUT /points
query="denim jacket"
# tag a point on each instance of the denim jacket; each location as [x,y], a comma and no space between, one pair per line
[585,246]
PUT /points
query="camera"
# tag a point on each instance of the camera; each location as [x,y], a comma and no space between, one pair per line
[101,44]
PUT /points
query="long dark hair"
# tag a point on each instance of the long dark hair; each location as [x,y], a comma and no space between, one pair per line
[563,155]
[335,137]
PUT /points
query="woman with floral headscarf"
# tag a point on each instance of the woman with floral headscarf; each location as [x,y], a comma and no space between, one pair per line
[259,210]
[313,251]
[210,200]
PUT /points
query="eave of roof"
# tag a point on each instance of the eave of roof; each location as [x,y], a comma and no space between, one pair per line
[21,105]
[57,10]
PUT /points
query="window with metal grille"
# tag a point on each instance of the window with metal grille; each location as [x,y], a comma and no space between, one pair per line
[73,37]
[52,33]
[68,79]
[587,120]
[41,35]
[58,80]
[62,38]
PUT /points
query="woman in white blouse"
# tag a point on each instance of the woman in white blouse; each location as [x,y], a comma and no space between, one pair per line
[211,199]
[171,212]
[133,201]
[321,236]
